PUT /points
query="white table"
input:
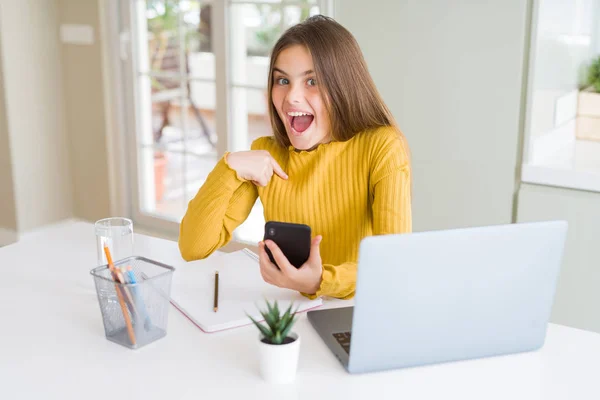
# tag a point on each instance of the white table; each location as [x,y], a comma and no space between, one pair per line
[52,346]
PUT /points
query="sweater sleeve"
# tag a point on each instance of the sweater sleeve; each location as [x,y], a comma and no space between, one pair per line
[390,187]
[223,202]
[390,184]
[336,281]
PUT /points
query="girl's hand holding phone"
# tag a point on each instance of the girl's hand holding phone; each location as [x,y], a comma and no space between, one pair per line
[306,279]
[257,166]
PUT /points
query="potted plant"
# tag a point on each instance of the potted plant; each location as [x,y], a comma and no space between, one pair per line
[279,348]
[588,104]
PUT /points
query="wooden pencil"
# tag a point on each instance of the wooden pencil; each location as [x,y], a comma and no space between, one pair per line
[216,301]
[112,269]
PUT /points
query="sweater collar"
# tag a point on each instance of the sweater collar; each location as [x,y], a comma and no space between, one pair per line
[314,150]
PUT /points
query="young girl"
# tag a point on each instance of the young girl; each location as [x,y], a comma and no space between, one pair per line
[337,163]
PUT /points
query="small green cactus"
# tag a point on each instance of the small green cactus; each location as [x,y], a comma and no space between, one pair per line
[278,326]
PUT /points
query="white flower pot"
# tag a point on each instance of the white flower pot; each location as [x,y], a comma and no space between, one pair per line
[278,362]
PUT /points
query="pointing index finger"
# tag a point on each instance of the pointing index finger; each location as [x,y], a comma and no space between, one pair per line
[277,169]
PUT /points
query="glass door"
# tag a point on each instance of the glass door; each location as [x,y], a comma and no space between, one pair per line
[195,77]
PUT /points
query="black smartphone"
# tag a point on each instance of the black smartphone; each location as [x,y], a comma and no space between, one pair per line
[292,239]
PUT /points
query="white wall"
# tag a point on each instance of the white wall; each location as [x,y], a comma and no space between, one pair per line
[83,93]
[8,216]
[35,112]
[451,72]
[577,293]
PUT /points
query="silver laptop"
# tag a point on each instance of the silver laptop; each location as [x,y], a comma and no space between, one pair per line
[432,297]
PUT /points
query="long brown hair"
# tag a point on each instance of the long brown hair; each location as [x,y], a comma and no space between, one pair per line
[351,98]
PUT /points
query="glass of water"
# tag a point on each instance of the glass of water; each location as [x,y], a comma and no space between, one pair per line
[117,234]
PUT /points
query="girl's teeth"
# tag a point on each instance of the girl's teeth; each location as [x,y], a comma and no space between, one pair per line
[297,114]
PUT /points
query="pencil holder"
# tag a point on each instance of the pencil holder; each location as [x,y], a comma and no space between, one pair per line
[134,313]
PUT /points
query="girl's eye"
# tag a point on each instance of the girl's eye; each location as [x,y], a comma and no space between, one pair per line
[311,82]
[282,81]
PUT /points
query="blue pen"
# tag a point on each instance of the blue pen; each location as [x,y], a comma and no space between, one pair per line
[138,298]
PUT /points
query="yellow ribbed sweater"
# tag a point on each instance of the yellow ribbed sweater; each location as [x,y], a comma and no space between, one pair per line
[343,190]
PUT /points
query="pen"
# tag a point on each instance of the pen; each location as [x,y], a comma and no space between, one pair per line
[216,302]
[128,297]
[139,299]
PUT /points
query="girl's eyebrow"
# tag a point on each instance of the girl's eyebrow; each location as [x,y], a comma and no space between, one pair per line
[310,71]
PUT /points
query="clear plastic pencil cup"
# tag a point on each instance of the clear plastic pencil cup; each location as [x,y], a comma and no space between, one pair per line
[134,313]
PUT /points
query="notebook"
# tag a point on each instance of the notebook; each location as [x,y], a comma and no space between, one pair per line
[241,290]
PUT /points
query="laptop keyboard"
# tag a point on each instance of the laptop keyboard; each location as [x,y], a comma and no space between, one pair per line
[343,338]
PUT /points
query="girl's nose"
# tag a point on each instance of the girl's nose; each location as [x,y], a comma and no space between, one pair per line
[295,94]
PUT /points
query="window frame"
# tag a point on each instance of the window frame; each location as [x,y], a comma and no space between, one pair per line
[122,107]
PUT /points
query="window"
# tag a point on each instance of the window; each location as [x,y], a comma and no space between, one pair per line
[197,73]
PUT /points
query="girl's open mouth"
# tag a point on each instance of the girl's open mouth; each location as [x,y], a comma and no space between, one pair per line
[300,121]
